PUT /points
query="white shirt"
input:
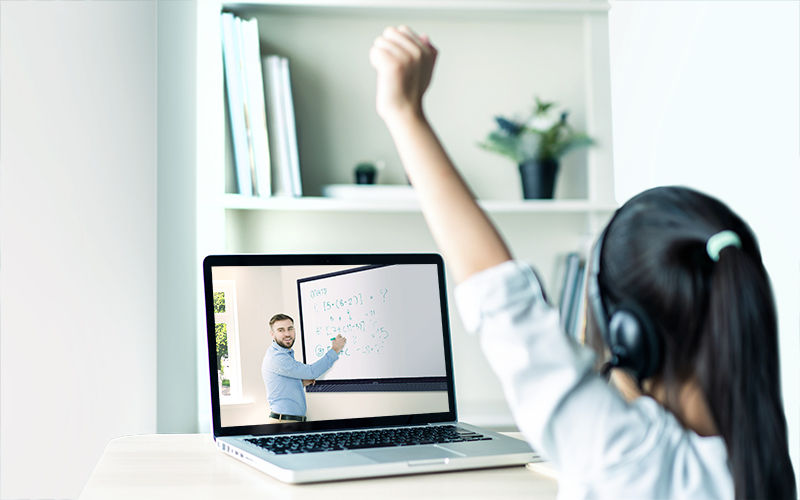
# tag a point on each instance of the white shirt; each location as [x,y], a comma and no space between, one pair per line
[602,446]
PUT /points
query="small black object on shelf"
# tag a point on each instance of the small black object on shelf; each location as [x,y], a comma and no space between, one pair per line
[365,173]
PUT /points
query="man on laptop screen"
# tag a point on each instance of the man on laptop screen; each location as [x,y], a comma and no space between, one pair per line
[355,351]
[285,377]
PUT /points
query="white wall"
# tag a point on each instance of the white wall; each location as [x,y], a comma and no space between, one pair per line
[78,247]
[258,296]
[705,94]
[179,267]
[472,85]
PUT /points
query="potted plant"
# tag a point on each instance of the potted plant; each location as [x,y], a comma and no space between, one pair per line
[536,144]
[365,173]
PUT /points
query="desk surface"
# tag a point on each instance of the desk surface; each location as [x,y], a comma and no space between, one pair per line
[189,466]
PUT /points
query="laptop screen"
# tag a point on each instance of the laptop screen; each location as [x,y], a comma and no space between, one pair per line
[307,342]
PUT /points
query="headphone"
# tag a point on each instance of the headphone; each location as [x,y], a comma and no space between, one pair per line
[626,329]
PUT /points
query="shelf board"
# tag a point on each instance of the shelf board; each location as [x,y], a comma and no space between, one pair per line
[322,204]
[562,6]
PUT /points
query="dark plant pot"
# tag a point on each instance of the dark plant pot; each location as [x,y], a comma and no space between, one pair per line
[365,177]
[538,178]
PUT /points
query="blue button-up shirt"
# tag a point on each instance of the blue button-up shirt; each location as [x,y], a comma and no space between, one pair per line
[283,378]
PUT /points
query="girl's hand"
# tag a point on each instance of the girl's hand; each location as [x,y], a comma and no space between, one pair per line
[466,237]
[404,63]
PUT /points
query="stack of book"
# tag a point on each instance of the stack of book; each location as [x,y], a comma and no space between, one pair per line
[280,118]
[261,113]
[572,300]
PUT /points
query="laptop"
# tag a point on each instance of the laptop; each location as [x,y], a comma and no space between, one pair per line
[385,403]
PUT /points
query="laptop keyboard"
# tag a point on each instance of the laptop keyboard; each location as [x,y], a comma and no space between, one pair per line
[376,438]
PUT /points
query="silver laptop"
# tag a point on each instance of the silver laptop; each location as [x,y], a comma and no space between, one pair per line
[382,403]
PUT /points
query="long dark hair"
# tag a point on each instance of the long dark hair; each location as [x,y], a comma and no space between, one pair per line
[716,320]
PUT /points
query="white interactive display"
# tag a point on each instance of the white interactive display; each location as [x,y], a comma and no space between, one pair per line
[390,315]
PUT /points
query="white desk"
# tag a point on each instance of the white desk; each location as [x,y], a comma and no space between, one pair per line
[189,466]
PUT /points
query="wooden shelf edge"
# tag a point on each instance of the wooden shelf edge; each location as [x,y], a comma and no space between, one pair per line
[319,203]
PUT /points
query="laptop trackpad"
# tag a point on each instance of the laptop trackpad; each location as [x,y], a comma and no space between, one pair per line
[408,454]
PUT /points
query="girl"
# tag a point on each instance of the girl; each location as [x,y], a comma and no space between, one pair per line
[679,302]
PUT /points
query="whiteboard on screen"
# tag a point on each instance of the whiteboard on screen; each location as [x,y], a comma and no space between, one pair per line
[390,315]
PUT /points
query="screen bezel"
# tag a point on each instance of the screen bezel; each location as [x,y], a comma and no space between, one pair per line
[244,260]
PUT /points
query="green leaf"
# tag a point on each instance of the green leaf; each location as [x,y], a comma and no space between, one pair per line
[543,106]
[219,302]
[553,143]
[503,144]
[575,141]
[221,330]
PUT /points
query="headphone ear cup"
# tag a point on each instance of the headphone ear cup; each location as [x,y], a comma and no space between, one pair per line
[633,342]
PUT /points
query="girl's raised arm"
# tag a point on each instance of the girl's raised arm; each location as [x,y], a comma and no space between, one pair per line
[404,63]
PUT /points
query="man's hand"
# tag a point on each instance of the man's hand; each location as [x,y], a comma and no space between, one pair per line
[404,64]
[338,343]
[308,382]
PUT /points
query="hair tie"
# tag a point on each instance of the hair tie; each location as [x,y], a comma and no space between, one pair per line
[721,240]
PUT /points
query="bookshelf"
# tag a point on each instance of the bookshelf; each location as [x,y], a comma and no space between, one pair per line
[495,55]
[324,204]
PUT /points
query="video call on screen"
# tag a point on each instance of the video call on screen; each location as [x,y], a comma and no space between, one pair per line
[393,362]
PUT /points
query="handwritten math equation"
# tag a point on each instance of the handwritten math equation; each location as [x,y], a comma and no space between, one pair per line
[356,316]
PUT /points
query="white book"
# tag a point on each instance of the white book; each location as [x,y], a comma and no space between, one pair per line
[251,164]
[291,129]
[233,84]
[282,179]
[256,107]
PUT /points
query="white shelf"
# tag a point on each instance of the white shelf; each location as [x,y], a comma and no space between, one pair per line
[322,204]
[562,6]
[569,38]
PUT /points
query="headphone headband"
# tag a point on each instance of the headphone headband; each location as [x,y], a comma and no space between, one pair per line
[626,330]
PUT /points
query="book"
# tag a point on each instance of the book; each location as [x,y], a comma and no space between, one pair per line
[291,128]
[571,265]
[256,109]
[578,306]
[246,103]
[236,106]
[572,275]
[278,143]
